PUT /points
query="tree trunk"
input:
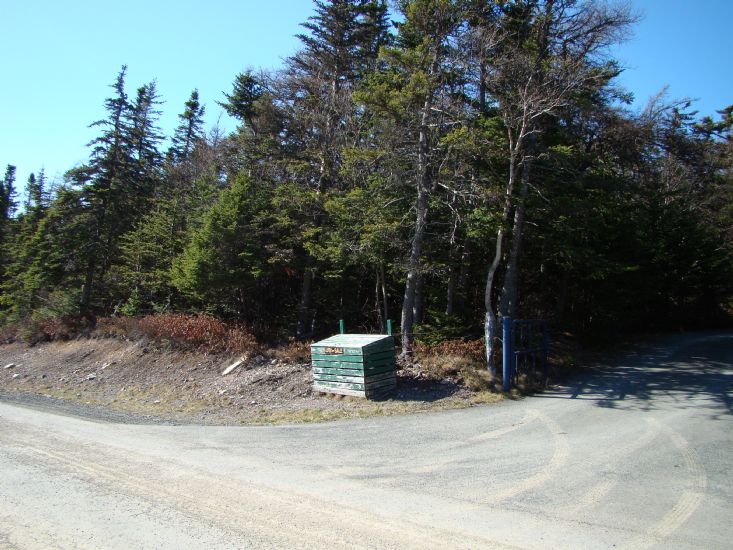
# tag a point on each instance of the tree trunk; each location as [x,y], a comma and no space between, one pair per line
[304,328]
[418,308]
[384,292]
[86,288]
[421,209]
[508,302]
[377,305]
[490,317]
[450,291]
[408,301]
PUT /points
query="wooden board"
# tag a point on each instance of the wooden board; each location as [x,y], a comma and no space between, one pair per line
[387,362]
[375,357]
[353,344]
[367,380]
[353,372]
[333,387]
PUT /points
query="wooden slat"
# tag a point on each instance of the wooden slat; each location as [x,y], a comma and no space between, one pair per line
[339,385]
[340,391]
[379,356]
[353,372]
[320,363]
[368,380]
[342,358]
[383,362]
[369,393]
[380,383]
[322,350]
[382,345]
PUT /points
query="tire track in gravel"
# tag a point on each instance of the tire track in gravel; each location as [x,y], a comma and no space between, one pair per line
[259,509]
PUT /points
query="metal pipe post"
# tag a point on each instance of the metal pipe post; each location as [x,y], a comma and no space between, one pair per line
[545,353]
[389,327]
[342,326]
[506,323]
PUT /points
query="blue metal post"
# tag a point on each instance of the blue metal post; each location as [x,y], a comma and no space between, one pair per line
[506,323]
[546,351]
[342,326]
[389,327]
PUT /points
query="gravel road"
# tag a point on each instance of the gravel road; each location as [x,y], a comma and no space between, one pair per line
[635,453]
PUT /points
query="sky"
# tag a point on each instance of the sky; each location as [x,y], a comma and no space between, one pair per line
[58,59]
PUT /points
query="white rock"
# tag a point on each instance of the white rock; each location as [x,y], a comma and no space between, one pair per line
[91,377]
[9,366]
[231,367]
[16,375]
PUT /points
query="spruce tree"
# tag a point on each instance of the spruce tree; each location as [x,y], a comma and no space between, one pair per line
[7,209]
[145,139]
[225,263]
[190,130]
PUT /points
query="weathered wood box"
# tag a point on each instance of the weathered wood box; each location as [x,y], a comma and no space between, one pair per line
[354,364]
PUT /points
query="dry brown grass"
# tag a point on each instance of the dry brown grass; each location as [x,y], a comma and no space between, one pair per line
[457,358]
[293,351]
[472,349]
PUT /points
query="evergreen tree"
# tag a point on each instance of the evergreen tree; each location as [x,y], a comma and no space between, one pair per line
[190,130]
[145,139]
[241,103]
[7,209]
[7,196]
[321,119]
[225,263]
[411,93]
[119,179]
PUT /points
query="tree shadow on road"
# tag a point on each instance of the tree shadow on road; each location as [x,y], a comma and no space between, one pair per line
[687,371]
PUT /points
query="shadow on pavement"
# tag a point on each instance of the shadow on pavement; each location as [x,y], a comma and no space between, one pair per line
[685,371]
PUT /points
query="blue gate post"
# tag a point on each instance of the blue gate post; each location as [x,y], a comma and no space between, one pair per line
[506,323]
[546,352]
[342,327]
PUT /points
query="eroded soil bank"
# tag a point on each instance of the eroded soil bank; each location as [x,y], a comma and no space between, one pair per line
[152,384]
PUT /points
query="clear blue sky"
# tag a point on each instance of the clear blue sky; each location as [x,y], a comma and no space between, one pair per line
[59,57]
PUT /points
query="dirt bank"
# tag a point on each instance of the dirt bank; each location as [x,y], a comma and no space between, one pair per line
[166,385]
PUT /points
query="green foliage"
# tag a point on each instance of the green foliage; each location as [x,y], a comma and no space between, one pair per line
[307,213]
[227,256]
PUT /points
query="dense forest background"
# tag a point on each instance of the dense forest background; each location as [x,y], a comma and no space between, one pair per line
[443,164]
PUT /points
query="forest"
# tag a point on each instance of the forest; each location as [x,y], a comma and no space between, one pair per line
[440,163]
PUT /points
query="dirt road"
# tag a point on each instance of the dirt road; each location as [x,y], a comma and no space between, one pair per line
[635,454]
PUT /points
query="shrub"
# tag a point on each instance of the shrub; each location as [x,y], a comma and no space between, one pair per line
[294,351]
[202,332]
[472,349]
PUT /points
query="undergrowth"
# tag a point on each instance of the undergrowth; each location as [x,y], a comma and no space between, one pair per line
[462,359]
[200,332]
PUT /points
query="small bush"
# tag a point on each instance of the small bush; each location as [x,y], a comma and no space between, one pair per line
[294,351]
[202,332]
[478,379]
[471,349]
[8,333]
[460,358]
[61,328]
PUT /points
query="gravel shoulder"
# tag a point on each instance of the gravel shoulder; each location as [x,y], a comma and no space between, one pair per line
[120,380]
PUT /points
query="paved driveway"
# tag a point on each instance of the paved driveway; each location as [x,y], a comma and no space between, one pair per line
[635,454]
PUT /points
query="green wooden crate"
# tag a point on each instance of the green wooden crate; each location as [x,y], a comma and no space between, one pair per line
[354,364]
